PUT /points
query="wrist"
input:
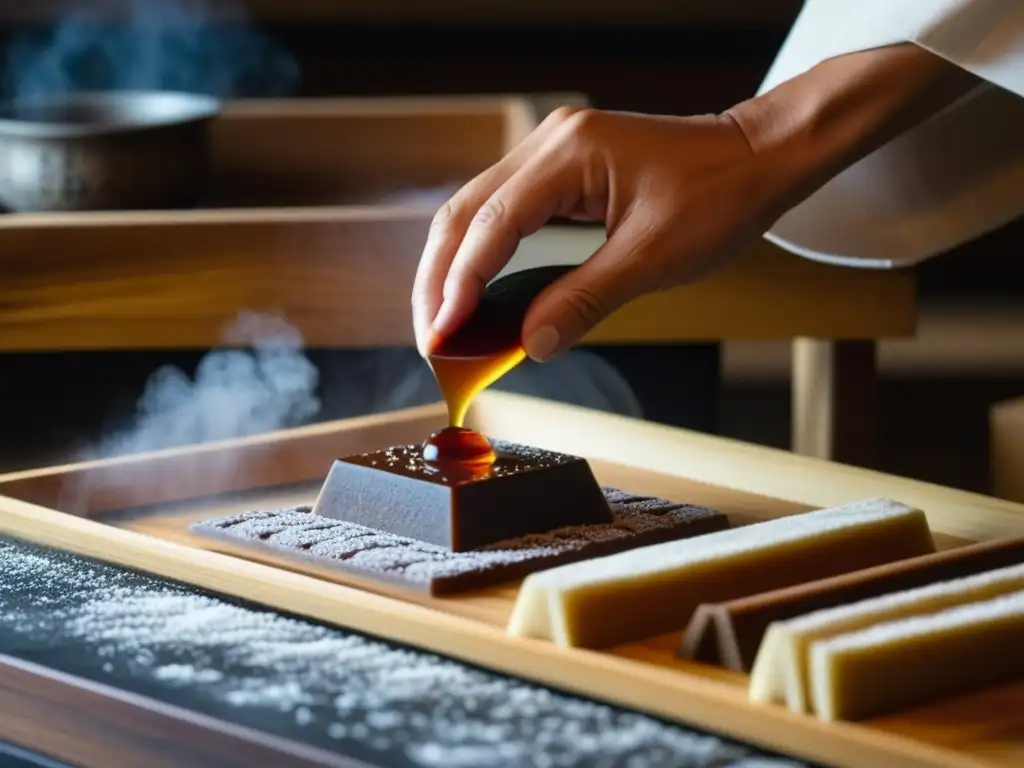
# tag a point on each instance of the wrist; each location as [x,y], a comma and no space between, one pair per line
[808,129]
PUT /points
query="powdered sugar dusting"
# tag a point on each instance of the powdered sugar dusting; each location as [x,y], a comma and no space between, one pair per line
[637,521]
[326,687]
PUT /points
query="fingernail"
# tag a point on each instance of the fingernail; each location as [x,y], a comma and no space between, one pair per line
[542,343]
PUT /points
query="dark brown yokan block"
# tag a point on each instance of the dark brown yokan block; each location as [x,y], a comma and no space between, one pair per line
[729,634]
[525,491]
[366,553]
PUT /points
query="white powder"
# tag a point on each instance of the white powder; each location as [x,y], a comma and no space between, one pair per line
[298,532]
[332,686]
[183,674]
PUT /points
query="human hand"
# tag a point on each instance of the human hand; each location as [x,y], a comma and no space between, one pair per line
[679,197]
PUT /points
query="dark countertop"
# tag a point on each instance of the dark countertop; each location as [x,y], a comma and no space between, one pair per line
[324,687]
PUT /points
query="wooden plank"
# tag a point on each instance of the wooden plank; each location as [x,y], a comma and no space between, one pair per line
[746,481]
[58,715]
[344,277]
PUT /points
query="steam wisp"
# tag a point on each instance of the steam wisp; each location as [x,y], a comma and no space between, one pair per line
[234,393]
[197,46]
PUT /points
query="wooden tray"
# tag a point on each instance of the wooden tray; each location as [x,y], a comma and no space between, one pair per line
[134,512]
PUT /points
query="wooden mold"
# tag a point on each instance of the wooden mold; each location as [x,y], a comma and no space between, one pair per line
[134,512]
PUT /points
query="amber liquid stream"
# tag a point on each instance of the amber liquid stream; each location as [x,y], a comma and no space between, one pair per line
[462,377]
[487,347]
[464,365]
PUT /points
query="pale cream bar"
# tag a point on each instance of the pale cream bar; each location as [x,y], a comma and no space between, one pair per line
[781,668]
[653,590]
[910,662]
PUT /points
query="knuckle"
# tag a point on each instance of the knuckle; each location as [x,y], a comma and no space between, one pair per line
[463,281]
[587,306]
[560,114]
[491,213]
[581,124]
[445,214]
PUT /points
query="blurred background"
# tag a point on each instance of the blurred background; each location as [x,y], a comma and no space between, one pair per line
[668,57]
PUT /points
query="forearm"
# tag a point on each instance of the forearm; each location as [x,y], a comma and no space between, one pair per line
[810,128]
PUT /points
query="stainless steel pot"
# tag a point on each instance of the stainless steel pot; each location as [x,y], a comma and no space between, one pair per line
[113,150]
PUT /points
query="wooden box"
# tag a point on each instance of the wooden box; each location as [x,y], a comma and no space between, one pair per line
[134,512]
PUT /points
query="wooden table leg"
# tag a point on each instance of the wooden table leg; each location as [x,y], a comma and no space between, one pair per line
[835,400]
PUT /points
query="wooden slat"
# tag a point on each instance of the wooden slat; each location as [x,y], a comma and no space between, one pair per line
[344,277]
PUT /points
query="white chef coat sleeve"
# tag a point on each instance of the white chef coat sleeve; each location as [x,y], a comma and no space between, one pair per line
[945,182]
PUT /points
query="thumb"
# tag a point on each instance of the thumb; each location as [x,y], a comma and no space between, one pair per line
[618,272]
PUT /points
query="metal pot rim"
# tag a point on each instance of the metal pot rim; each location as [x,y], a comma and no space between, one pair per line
[165,108]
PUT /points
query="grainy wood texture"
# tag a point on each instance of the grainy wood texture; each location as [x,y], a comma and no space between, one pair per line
[746,481]
[61,716]
[344,277]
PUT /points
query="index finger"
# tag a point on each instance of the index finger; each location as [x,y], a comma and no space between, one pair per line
[447,230]
[452,221]
[549,183]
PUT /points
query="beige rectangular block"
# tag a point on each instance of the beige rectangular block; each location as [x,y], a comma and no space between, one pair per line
[653,590]
[781,670]
[910,662]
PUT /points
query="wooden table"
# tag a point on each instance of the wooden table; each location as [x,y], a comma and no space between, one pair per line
[342,273]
